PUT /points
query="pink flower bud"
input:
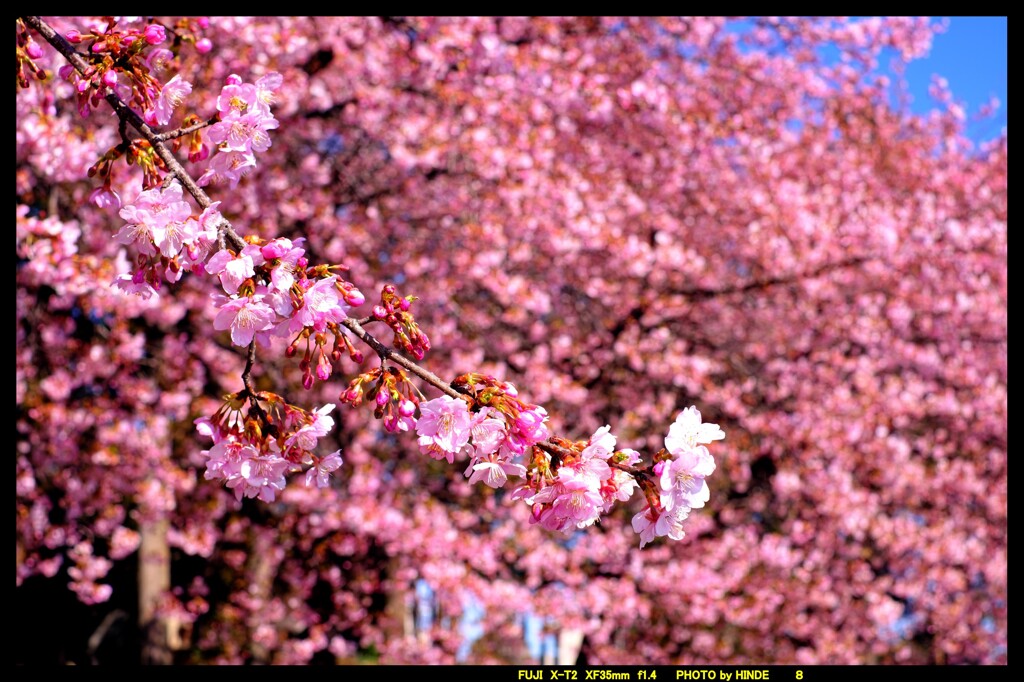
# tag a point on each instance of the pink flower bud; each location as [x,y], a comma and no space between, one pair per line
[203,22]
[33,50]
[354,298]
[73,36]
[233,79]
[82,85]
[379,312]
[388,289]
[199,154]
[323,371]
[307,381]
[104,197]
[404,304]
[289,352]
[203,45]
[65,71]
[407,408]
[382,397]
[274,249]
[154,34]
[110,78]
[357,356]
[99,46]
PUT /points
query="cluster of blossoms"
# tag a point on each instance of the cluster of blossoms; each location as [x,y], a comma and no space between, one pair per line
[123,60]
[395,397]
[568,484]
[270,290]
[245,118]
[252,453]
[168,237]
[394,311]
[27,51]
[583,486]
[680,470]
[499,429]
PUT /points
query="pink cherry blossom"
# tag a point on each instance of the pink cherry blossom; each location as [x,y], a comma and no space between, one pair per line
[135,284]
[244,134]
[321,305]
[493,471]
[171,96]
[231,268]
[159,59]
[244,316]
[446,425]
[305,438]
[260,476]
[228,167]
[573,501]
[487,432]
[286,256]
[650,524]
[104,197]
[173,235]
[682,479]
[225,458]
[687,431]
[322,470]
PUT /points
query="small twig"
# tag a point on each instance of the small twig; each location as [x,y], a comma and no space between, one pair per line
[180,132]
[122,128]
[386,353]
[247,372]
[632,471]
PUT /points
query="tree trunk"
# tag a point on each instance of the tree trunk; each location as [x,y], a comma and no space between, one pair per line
[160,636]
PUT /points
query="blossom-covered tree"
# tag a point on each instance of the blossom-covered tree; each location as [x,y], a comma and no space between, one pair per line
[586,225]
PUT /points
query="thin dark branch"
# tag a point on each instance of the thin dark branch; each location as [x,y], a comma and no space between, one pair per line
[386,353]
[772,281]
[247,372]
[184,131]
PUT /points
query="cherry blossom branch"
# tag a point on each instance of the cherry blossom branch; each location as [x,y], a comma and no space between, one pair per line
[568,491]
[227,233]
[225,229]
[125,112]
